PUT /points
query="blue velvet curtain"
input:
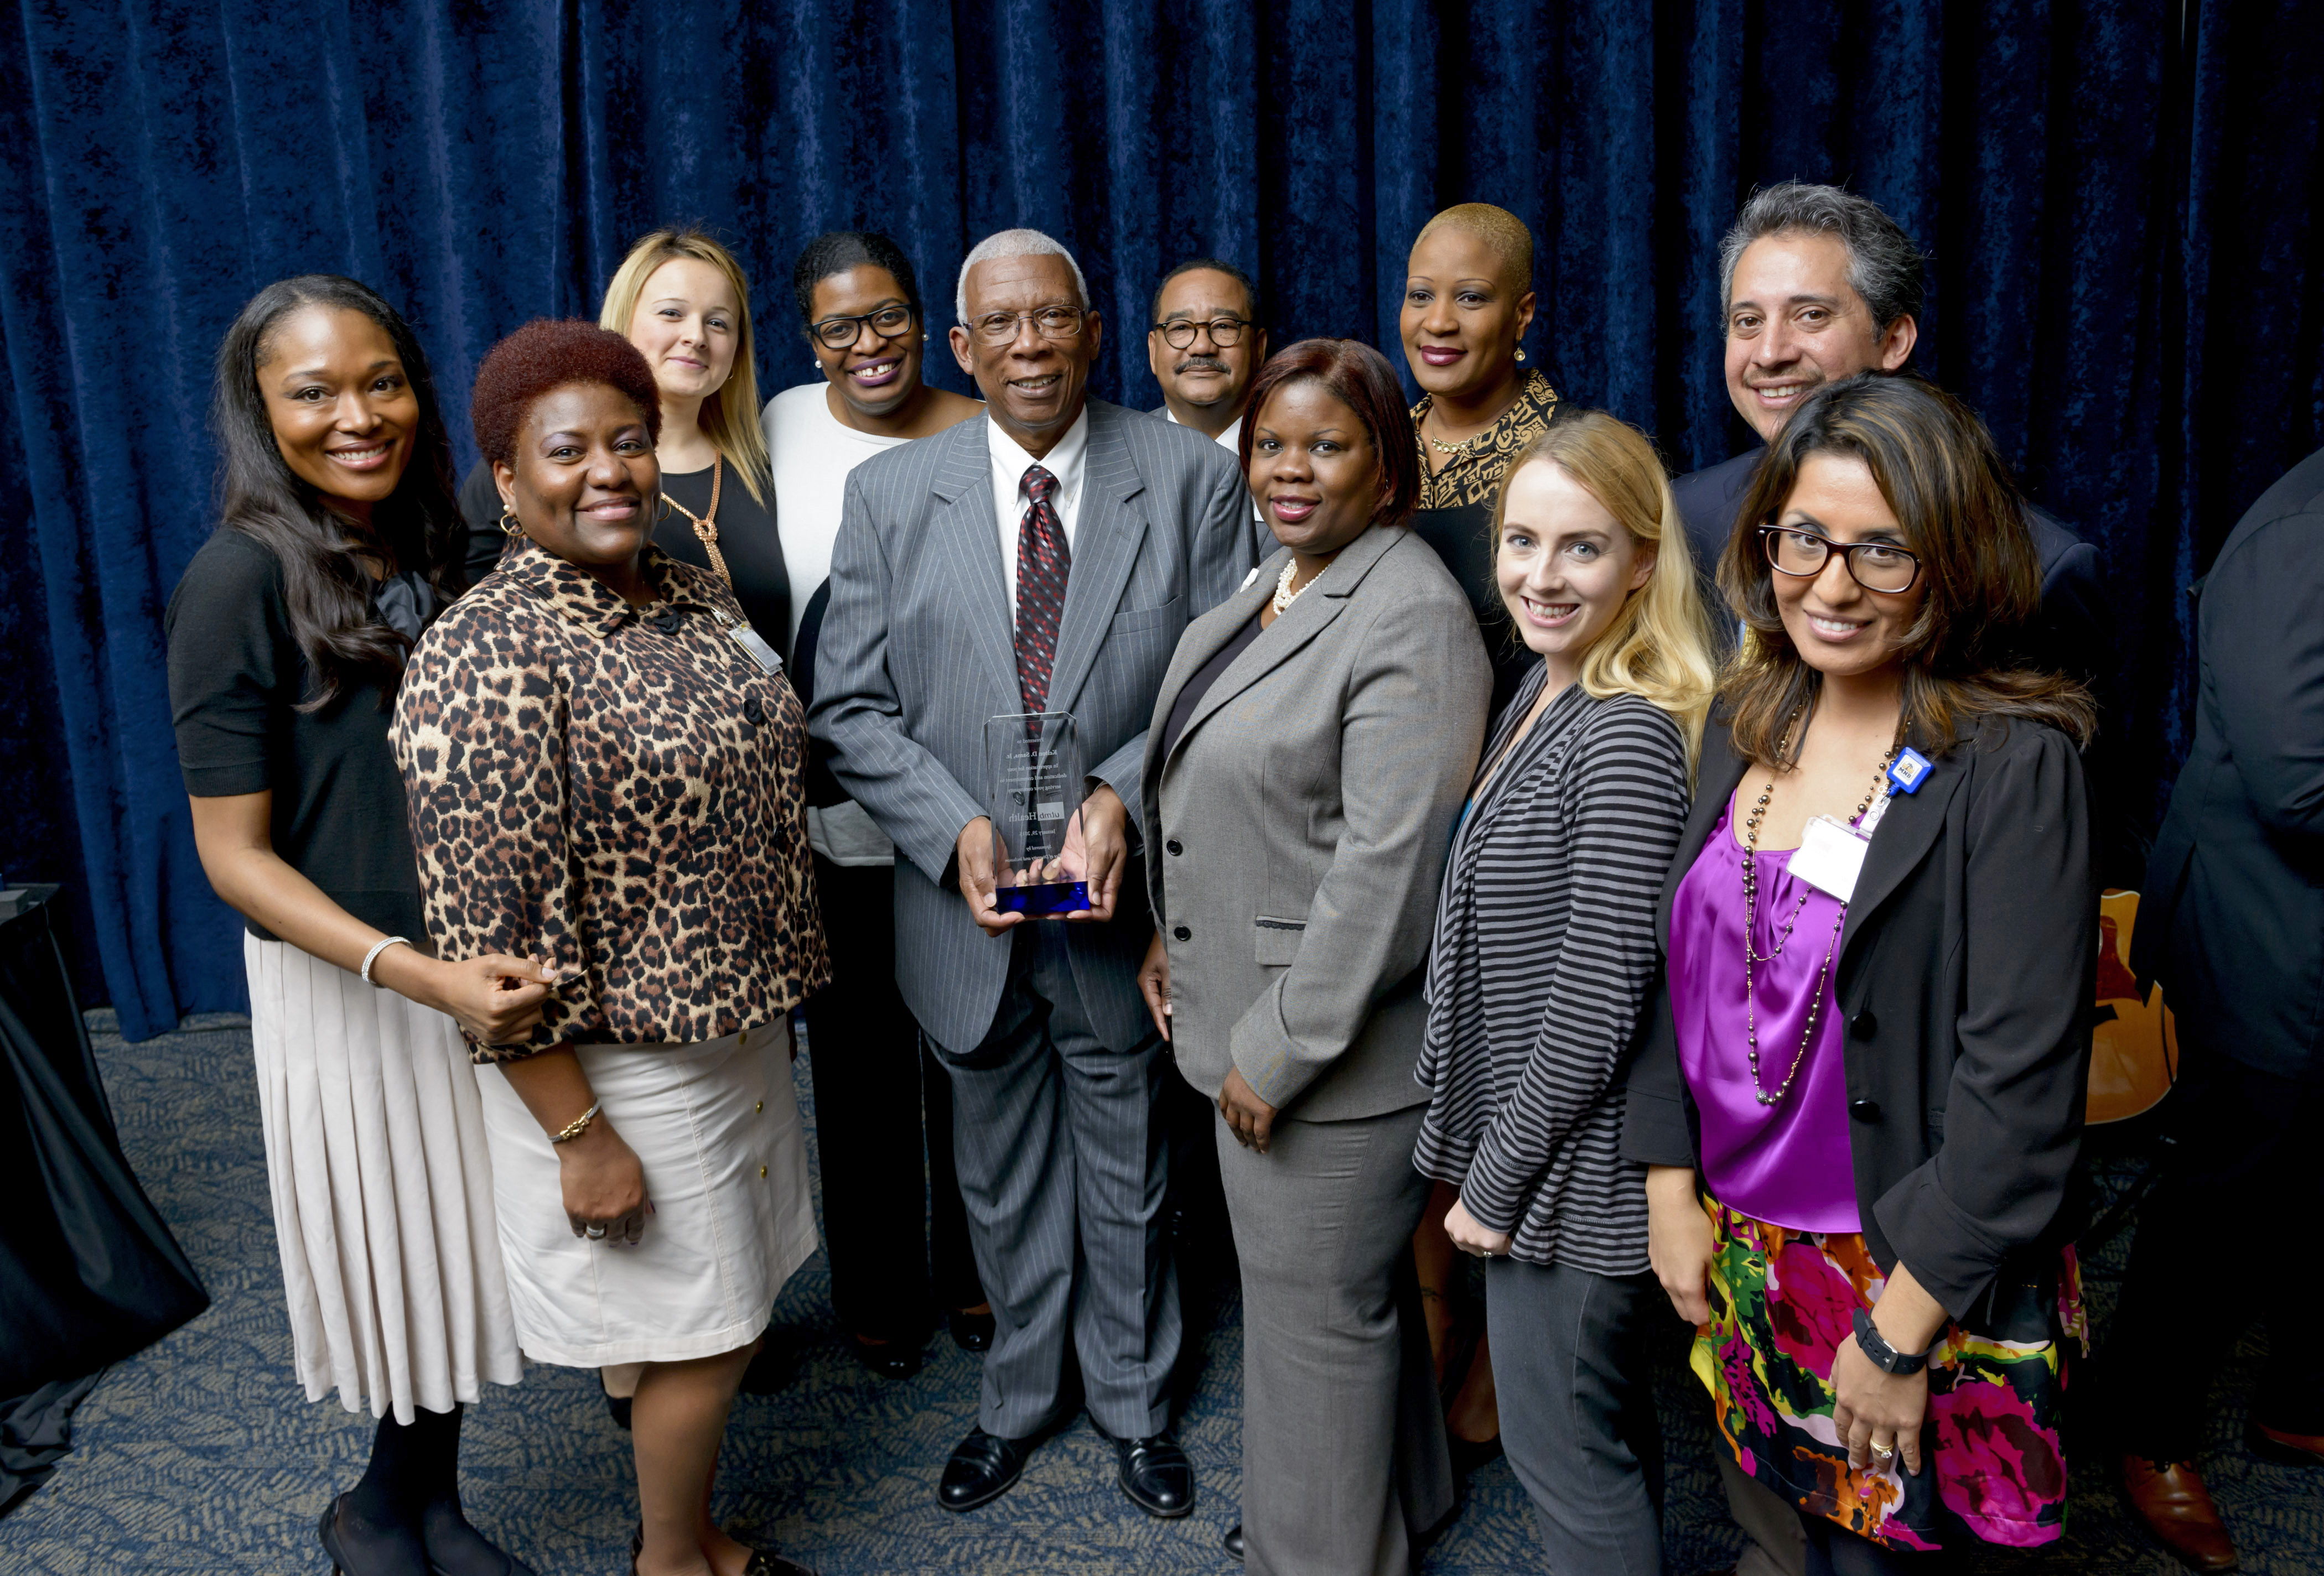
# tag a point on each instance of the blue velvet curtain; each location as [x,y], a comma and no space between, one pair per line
[2120,199]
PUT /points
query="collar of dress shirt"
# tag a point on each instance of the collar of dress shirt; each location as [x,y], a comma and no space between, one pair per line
[584,598]
[1010,464]
[1231,439]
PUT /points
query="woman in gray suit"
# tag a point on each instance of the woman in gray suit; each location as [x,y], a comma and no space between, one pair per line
[1305,765]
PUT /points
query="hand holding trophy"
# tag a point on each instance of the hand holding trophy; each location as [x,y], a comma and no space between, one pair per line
[1034,793]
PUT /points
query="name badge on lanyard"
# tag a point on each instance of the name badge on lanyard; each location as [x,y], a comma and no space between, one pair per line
[744,636]
[1831,856]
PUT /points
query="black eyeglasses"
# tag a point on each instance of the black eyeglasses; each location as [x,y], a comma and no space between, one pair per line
[839,332]
[1178,333]
[1876,566]
[999,328]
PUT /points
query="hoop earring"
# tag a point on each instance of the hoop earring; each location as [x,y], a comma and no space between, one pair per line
[511,526]
[1520,353]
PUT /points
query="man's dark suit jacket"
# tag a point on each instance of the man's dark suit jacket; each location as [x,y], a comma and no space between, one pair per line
[2232,921]
[2076,634]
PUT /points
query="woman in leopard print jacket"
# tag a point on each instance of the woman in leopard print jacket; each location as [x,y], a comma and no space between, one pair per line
[605,772]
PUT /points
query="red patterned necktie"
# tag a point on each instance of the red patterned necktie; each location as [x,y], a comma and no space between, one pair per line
[1043,561]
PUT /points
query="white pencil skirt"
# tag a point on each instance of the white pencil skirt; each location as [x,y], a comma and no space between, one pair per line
[716,1127]
[383,1190]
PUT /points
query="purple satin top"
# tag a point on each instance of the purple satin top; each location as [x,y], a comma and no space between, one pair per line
[1785,1164]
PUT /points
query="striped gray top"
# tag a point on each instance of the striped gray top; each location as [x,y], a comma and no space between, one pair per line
[1545,952]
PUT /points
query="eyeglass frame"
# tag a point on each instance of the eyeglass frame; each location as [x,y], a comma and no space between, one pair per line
[862,321]
[1194,326]
[1847,551]
[1016,321]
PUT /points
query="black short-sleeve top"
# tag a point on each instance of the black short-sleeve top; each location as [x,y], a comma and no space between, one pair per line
[747,540]
[236,676]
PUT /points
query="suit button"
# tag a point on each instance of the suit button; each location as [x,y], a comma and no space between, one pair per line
[761,1106]
[752,712]
[1864,1111]
[762,1171]
[1175,846]
[1864,1025]
[1180,933]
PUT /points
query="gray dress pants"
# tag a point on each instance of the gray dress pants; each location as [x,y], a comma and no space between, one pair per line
[1343,1456]
[1062,1169]
[1578,1412]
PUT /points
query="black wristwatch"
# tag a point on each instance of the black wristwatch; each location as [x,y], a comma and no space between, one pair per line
[1885,1357]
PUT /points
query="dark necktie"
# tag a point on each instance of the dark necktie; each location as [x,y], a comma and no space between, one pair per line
[1043,561]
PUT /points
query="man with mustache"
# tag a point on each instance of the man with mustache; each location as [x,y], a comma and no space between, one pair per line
[1205,344]
[1044,559]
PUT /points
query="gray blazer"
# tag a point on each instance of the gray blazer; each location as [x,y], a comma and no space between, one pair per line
[1304,814]
[916,653]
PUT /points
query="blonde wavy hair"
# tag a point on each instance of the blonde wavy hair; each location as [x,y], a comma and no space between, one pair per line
[730,417]
[1657,645]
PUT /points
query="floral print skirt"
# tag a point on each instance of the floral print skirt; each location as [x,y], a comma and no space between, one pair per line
[1992,1462]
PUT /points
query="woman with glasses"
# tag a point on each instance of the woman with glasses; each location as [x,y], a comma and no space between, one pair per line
[1860,1096]
[895,1253]
[683,300]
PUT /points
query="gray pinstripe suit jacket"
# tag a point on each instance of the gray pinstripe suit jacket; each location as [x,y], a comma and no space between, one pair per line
[917,652]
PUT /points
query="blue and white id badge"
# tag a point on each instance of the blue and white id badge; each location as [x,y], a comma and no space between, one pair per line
[1831,856]
[744,636]
[1910,770]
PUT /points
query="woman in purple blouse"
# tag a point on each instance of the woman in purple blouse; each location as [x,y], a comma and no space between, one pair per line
[1860,1095]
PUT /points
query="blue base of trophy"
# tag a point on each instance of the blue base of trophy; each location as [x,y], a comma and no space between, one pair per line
[1043,899]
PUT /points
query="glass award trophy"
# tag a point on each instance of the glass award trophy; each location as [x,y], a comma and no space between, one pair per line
[1033,776]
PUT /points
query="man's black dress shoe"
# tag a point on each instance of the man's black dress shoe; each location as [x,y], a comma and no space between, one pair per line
[1157,1475]
[890,1360]
[984,1466]
[1233,1542]
[969,1332]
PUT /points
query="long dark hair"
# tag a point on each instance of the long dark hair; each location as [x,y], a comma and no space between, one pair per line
[418,526]
[1937,469]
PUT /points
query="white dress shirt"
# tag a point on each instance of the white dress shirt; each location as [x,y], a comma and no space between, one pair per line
[1229,440]
[1009,499]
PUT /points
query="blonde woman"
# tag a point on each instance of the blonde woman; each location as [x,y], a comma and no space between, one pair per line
[1544,955]
[684,301]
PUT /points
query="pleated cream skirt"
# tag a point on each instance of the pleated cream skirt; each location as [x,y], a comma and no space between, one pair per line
[716,1127]
[383,1190]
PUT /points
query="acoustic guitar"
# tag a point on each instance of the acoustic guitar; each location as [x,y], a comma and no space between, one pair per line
[2135,1048]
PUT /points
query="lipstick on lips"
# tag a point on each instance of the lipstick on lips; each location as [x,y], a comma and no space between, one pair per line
[1292,511]
[1441,354]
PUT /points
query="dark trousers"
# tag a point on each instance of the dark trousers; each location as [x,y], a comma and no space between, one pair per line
[1578,1410]
[2226,1234]
[896,1234]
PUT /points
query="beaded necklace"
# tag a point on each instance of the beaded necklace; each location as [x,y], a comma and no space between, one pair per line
[1750,919]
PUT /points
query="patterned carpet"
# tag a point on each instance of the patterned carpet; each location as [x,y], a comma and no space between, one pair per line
[200,1455]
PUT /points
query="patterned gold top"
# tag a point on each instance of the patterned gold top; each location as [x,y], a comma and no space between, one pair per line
[1474,474]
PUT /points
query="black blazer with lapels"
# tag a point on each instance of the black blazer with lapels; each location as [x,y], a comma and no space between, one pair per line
[1965,977]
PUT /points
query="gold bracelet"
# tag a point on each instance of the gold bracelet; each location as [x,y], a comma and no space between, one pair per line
[576,1128]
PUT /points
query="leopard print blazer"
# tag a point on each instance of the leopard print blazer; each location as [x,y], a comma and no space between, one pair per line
[615,788]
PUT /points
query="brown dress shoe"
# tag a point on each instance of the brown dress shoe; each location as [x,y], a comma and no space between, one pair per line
[2170,1498]
[2306,1450]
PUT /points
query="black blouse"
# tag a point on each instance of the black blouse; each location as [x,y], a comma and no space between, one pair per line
[236,676]
[747,540]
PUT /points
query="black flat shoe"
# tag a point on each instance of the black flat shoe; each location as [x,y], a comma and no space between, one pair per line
[1233,1542]
[890,1360]
[1157,1475]
[984,1466]
[969,1332]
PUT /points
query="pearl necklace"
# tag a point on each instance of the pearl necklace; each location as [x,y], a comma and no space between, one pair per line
[1284,596]
[1751,919]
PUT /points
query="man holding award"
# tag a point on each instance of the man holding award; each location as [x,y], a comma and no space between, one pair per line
[1005,599]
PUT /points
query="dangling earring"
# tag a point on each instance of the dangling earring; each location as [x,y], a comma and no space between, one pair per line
[1520,353]
[510,525]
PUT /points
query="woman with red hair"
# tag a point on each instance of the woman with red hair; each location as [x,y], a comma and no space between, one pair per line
[1305,764]
[605,770]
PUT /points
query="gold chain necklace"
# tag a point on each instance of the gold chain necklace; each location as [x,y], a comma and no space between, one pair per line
[705,526]
[1750,921]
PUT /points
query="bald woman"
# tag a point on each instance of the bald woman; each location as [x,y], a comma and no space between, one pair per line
[1468,301]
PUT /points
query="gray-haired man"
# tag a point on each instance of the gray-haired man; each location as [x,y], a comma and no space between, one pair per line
[1046,557]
